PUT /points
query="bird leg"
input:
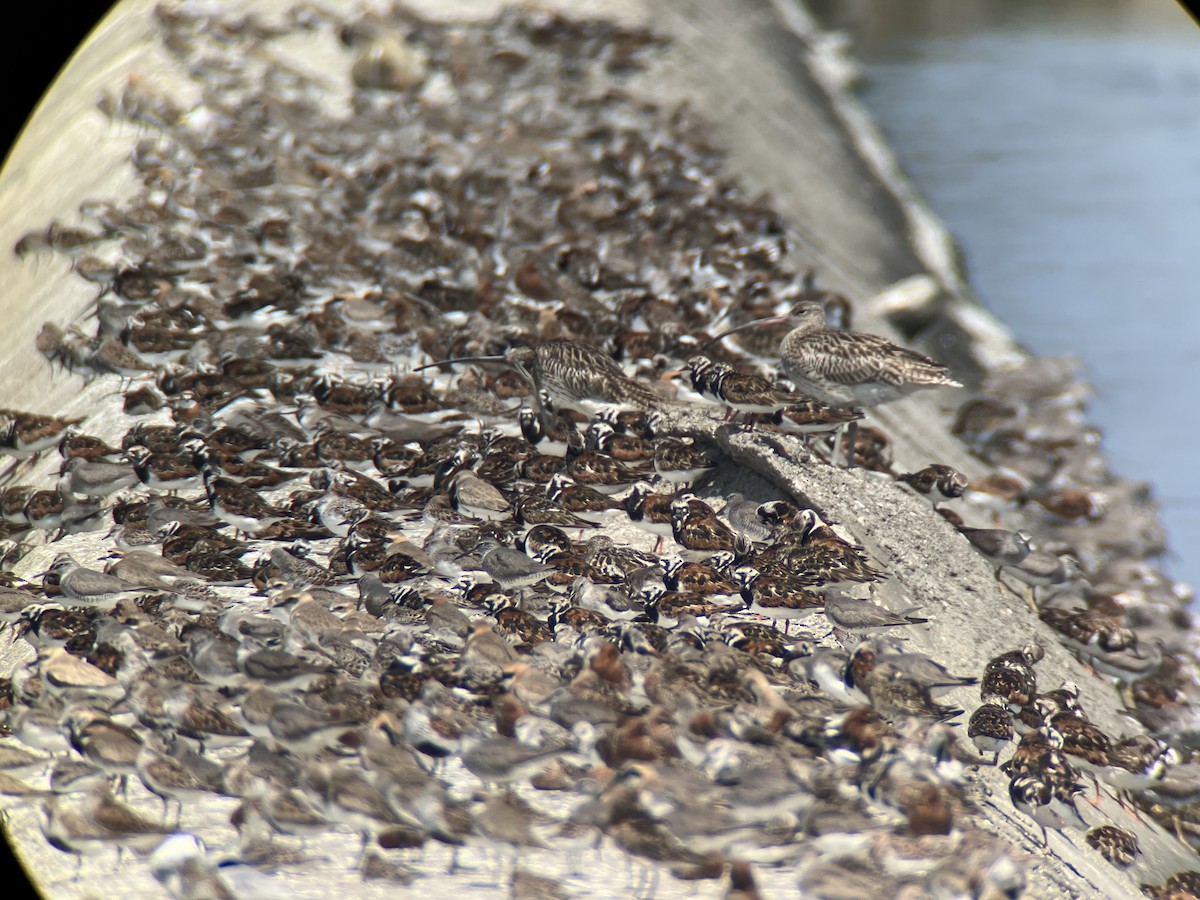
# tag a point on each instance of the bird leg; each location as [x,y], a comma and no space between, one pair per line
[1031,599]
[851,440]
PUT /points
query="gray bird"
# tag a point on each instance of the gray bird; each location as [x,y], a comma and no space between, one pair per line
[999,546]
[742,515]
[147,569]
[509,568]
[478,499]
[501,760]
[922,669]
[214,657]
[303,731]
[89,588]
[1040,569]
[862,616]
[94,478]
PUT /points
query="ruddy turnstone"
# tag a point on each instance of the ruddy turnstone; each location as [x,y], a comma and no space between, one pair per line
[1137,762]
[1116,845]
[23,434]
[649,511]
[812,553]
[810,416]
[169,473]
[696,578]
[547,437]
[1090,633]
[580,500]
[681,463]
[701,531]
[1009,679]
[739,391]
[1046,793]
[626,448]
[511,619]
[991,729]
[598,470]
[1084,745]
[242,507]
[936,483]
[775,598]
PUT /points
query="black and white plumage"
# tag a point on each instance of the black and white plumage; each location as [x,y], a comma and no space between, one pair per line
[681,463]
[936,483]
[1116,845]
[775,598]
[1009,679]
[740,391]
[1047,795]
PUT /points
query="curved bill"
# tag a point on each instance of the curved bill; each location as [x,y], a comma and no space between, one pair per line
[463,359]
[769,320]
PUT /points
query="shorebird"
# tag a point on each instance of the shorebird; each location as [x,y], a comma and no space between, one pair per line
[936,483]
[88,588]
[848,368]
[1118,846]
[1040,569]
[574,375]
[991,729]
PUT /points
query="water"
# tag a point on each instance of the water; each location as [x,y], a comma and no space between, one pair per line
[1060,142]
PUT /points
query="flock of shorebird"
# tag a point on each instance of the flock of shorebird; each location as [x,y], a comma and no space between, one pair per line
[403,606]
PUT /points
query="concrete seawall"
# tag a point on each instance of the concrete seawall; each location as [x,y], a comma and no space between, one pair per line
[768,83]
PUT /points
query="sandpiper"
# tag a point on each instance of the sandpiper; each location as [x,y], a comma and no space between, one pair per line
[991,729]
[1040,569]
[849,368]
[1118,846]
[1009,679]
[574,375]
[998,546]
[863,617]
[80,586]
[1046,793]
[936,483]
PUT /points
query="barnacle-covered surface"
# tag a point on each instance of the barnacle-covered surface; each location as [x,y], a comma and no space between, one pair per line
[321,200]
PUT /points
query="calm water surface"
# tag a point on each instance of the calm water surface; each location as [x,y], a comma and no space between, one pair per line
[1061,144]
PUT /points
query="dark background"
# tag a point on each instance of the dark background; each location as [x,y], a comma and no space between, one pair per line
[50,35]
